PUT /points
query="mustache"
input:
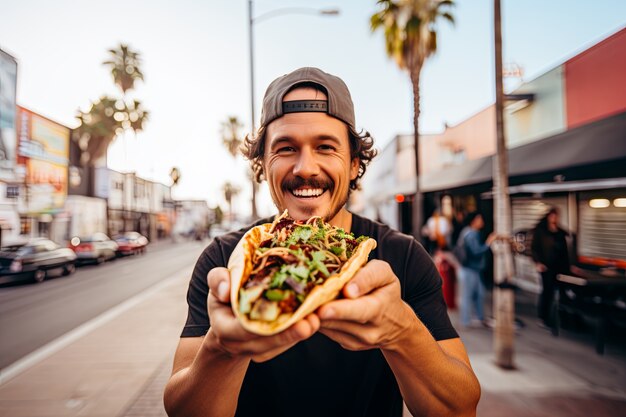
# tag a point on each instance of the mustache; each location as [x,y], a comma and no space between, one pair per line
[290,184]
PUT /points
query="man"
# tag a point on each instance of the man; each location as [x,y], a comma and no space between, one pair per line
[355,356]
[472,267]
[550,253]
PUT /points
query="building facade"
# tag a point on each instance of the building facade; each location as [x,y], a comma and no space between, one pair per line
[566,140]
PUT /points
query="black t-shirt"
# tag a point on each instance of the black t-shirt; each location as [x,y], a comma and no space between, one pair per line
[317,377]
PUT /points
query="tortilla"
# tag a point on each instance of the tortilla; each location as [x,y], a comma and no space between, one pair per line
[240,266]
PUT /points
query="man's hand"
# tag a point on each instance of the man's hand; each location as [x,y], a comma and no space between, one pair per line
[540,267]
[228,335]
[372,314]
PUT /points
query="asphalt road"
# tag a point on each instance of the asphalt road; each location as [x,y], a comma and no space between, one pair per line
[32,315]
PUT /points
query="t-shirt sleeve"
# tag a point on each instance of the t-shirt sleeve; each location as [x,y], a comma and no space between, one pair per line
[198,322]
[422,291]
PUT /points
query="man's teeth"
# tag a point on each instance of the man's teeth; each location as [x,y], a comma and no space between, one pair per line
[309,192]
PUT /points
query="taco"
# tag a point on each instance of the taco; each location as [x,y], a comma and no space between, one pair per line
[283,271]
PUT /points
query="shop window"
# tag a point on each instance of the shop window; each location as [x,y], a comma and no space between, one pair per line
[13,191]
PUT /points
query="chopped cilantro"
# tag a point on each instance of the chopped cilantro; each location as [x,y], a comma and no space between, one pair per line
[279,277]
[299,272]
[337,250]
[276,295]
[300,234]
[318,262]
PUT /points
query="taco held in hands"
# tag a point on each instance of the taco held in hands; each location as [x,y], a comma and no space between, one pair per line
[283,271]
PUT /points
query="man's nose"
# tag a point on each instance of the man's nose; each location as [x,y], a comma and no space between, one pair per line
[306,165]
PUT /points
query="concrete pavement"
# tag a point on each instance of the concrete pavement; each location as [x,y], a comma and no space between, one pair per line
[119,368]
[554,376]
[103,373]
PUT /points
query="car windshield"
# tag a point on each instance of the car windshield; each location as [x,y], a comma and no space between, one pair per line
[11,248]
[19,249]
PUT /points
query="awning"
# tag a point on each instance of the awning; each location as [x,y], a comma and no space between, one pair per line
[600,141]
[555,187]
[566,186]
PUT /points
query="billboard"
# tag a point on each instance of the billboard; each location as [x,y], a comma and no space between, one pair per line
[8,138]
[43,150]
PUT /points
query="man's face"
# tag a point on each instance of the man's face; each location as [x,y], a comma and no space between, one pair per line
[478,222]
[553,219]
[307,161]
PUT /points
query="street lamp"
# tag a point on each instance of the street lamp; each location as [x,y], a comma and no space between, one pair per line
[251,21]
[265,16]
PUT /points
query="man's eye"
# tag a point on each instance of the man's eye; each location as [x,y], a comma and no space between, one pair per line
[285,149]
[326,148]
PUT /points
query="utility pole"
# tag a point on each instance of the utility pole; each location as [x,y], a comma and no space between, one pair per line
[254,213]
[504,302]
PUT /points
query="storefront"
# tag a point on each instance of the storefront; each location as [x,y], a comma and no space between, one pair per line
[42,155]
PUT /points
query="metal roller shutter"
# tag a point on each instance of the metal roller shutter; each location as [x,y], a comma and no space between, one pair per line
[602,232]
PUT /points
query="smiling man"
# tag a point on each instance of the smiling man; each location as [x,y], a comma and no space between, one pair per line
[388,339]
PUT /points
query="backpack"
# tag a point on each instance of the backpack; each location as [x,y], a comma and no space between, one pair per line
[460,251]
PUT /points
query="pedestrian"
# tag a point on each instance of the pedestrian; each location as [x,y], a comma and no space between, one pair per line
[447,266]
[551,256]
[473,264]
[437,231]
[458,223]
[386,340]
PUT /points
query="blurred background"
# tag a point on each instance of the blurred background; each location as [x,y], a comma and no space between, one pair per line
[120,124]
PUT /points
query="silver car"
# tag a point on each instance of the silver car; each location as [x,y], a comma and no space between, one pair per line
[96,248]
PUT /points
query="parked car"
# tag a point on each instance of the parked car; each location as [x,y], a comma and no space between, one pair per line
[131,243]
[34,259]
[96,248]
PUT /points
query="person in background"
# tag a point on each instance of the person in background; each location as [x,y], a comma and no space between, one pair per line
[437,230]
[472,287]
[458,222]
[549,251]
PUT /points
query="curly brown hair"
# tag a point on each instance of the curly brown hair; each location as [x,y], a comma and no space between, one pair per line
[361,147]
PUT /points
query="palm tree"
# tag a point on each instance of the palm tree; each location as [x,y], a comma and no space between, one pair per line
[230,191]
[232,140]
[504,303]
[410,28]
[125,67]
[106,119]
[175,175]
[231,136]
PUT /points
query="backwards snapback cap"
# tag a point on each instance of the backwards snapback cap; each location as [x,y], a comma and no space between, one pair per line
[339,103]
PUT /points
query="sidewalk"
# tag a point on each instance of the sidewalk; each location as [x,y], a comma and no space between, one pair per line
[120,368]
[107,371]
[555,376]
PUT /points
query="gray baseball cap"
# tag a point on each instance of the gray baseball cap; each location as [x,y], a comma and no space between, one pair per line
[338,105]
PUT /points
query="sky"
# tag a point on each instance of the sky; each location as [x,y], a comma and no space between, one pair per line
[197,74]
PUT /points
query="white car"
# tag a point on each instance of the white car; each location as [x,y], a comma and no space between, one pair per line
[96,248]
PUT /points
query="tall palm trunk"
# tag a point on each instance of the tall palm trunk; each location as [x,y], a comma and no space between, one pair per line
[417,201]
[504,302]
[255,188]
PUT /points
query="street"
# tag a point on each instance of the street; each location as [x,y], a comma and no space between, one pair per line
[32,315]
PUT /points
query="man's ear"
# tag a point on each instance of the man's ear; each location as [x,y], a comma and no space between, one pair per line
[354,168]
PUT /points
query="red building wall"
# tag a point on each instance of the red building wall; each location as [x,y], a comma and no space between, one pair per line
[595,81]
